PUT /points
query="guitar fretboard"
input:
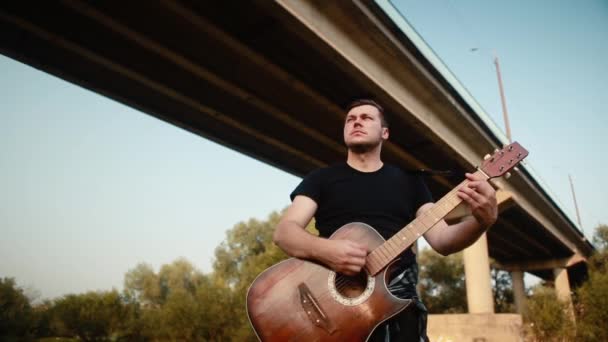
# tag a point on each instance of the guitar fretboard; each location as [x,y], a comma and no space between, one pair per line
[384,254]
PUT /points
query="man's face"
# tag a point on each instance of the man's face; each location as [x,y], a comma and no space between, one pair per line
[363,129]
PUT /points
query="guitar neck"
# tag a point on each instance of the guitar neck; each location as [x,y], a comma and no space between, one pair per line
[384,254]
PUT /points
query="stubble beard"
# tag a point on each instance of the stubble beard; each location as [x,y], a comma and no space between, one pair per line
[362,147]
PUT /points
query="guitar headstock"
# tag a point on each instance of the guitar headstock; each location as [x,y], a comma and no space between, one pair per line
[503,160]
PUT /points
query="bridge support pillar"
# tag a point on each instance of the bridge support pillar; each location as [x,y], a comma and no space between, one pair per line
[477,273]
[519,291]
[562,288]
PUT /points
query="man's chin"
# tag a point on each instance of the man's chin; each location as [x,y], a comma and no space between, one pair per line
[361,147]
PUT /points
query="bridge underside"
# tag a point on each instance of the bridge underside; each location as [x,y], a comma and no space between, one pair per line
[250,76]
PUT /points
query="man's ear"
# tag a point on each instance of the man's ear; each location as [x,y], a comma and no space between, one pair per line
[385,133]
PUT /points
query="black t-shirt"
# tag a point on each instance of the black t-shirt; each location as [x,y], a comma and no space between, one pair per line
[386,199]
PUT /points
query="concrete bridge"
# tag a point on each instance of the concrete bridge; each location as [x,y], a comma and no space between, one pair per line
[269,79]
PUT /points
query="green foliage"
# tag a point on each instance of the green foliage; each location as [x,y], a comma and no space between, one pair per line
[598,263]
[548,317]
[181,316]
[180,303]
[219,312]
[179,277]
[247,251]
[442,284]
[502,288]
[16,316]
[600,238]
[91,316]
[142,285]
[592,296]
[592,308]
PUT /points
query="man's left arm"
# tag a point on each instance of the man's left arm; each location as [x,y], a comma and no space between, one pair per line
[480,196]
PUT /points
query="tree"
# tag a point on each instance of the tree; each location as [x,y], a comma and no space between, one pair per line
[548,317]
[16,316]
[502,288]
[442,283]
[142,285]
[181,303]
[592,296]
[92,315]
[592,307]
[177,277]
[181,316]
[220,312]
[600,237]
[247,251]
[44,319]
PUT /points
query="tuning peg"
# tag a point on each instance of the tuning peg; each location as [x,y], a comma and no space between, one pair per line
[486,157]
[496,150]
[516,169]
[507,175]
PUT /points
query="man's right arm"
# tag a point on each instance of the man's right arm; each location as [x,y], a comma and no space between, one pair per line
[342,256]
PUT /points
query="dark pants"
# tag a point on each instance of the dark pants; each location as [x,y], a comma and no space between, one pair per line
[410,324]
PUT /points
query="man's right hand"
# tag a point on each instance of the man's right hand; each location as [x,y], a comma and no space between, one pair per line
[343,256]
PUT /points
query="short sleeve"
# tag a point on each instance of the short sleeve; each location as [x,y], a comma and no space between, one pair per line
[310,186]
[422,194]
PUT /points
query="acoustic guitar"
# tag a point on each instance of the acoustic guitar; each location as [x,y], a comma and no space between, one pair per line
[303,300]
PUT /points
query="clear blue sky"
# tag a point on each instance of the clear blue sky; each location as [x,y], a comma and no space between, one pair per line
[90,188]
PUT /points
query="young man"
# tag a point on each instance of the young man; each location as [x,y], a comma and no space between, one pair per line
[364,189]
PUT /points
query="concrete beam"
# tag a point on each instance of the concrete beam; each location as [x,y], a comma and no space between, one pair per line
[156,87]
[520,233]
[352,32]
[539,265]
[537,205]
[505,200]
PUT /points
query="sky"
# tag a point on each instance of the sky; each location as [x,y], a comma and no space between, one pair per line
[89,188]
[553,63]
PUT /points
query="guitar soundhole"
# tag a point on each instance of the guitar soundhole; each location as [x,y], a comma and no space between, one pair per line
[350,290]
[351,286]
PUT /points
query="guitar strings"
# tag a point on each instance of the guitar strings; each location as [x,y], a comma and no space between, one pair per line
[342,281]
[431,213]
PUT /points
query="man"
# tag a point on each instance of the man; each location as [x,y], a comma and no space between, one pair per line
[364,189]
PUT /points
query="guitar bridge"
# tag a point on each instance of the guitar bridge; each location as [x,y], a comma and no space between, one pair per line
[313,310]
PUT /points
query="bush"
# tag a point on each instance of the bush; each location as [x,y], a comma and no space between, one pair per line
[592,302]
[548,317]
[16,316]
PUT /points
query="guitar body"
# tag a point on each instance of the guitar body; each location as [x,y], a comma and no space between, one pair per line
[299,300]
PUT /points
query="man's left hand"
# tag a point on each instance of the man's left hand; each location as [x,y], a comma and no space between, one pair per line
[481,197]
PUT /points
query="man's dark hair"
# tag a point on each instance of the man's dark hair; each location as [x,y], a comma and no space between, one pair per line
[364,101]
